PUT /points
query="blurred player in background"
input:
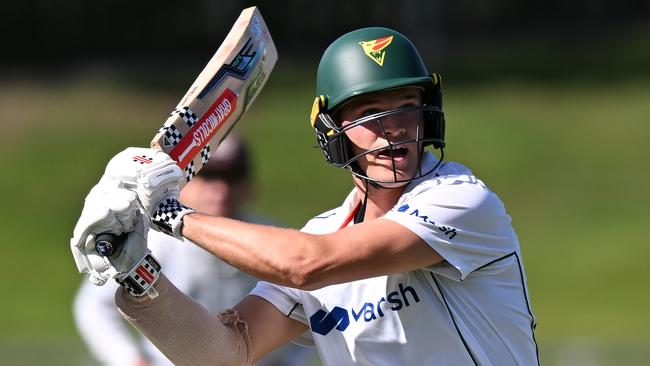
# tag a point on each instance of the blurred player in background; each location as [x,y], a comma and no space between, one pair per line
[222,188]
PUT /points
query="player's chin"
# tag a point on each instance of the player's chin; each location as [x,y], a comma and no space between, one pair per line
[397,168]
[391,185]
[389,178]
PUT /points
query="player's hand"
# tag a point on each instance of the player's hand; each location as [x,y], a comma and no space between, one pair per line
[157,180]
[153,174]
[108,208]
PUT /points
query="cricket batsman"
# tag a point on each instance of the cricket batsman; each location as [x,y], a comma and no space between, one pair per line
[419,265]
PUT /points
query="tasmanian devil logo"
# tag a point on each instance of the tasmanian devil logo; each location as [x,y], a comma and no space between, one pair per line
[376,49]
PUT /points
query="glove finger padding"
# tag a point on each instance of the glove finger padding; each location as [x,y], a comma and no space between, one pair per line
[160,181]
[131,251]
[107,209]
[126,165]
[152,173]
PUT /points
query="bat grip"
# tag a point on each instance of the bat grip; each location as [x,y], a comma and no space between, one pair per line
[108,244]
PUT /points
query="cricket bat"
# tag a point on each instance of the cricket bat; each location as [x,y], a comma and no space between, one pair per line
[215,102]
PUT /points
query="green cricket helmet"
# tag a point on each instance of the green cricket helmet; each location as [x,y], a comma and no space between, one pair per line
[365,61]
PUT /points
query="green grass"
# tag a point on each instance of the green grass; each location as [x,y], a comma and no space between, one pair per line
[568,159]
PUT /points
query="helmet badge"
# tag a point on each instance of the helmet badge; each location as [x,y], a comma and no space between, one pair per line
[375,49]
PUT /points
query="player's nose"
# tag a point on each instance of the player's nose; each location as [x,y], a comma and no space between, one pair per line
[394,126]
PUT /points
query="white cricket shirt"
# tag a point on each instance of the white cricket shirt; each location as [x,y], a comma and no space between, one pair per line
[471,309]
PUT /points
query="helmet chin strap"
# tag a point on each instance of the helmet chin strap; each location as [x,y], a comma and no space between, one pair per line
[364,177]
[361,212]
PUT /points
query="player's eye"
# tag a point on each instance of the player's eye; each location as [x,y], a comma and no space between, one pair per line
[409,105]
[368,112]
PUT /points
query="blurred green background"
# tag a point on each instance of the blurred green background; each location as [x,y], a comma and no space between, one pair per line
[548,103]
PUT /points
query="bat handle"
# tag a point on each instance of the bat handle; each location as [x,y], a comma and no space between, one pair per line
[109,244]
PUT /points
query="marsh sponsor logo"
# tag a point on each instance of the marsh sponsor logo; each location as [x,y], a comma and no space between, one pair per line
[323,323]
[449,231]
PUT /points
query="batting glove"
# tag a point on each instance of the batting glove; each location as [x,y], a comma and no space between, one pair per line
[157,180]
[110,209]
[169,218]
[151,173]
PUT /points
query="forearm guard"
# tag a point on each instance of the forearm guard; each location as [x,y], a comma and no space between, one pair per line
[185,331]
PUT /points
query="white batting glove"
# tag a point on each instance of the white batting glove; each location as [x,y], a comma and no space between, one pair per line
[114,210]
[152,169]
[169,217]
[157,180]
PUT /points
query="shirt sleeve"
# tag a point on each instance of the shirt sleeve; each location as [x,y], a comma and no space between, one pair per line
[289,303]
[461,219]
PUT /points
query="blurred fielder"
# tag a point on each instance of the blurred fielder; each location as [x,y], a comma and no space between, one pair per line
[419,265]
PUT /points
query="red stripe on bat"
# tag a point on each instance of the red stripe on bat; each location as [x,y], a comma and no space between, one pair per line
[148,277]
[201,133]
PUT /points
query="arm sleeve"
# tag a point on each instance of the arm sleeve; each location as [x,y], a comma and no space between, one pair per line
[184,331]
[462,220]
[107,336]
[102,328]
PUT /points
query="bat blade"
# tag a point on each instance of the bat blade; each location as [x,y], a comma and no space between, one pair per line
[220,95]
[215,102]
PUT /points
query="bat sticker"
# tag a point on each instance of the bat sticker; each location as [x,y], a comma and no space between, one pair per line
[240,67]
[201,133]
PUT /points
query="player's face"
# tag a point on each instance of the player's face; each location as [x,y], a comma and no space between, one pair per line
[400,129]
